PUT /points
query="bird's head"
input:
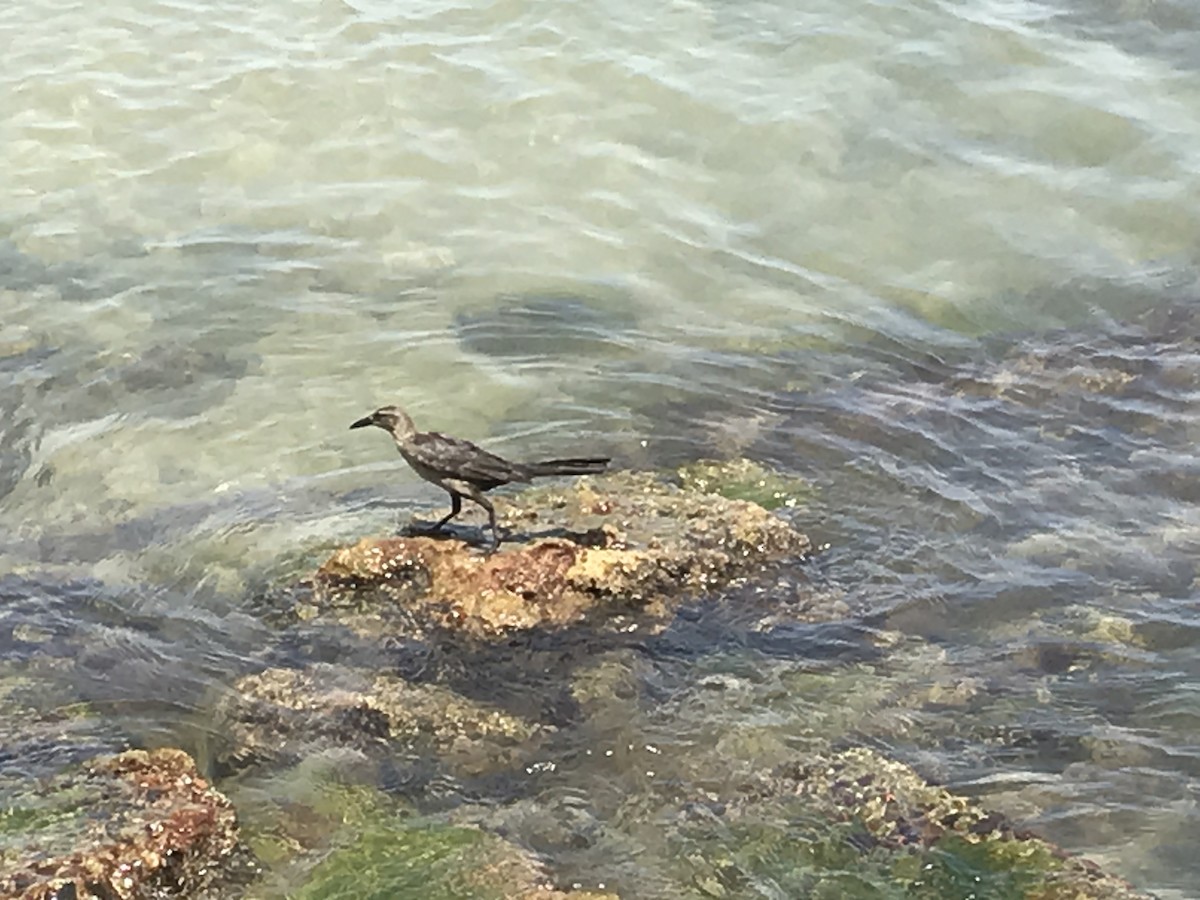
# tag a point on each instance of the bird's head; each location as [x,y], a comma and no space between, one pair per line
[390,418]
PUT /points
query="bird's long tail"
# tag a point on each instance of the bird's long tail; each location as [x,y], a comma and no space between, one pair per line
[581,466]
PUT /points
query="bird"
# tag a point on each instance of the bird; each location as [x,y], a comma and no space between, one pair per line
[463,469]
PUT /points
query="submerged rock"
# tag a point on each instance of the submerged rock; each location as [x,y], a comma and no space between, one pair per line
[735,809]
[501,634]
[21,427]
[548,326]
[604,548]
[285,714]
[905,831]
[46,718]
[433,862]
[136,825]
[602,555]
[328,834]
[44,725]
[173,379]
[744,479]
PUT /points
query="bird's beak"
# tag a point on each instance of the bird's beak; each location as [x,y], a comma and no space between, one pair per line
[364,422]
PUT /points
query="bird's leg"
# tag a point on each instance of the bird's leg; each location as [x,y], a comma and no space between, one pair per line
[491,510]
[418,527]
[477,496]
[455,509]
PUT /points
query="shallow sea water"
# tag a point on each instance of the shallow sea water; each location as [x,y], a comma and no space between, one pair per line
[939,258]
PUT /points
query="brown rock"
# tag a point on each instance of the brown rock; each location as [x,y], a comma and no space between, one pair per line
[900,810]
[617,545]
[136,825]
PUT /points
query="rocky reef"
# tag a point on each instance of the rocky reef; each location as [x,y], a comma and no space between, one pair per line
[944,841]
[597,551]
[131,826]
[855,824]
[283,715]
[598,557]
[432,720]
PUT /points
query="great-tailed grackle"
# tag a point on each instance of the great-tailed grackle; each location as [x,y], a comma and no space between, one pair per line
[463,469]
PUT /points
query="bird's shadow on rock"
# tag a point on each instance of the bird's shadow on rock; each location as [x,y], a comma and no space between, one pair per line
[477,536]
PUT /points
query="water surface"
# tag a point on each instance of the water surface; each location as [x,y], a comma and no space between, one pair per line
[937,257]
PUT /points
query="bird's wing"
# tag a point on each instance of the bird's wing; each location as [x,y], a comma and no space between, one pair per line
[457,458]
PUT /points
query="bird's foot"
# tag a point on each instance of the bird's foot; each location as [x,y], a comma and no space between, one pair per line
[497,538]
[417,528]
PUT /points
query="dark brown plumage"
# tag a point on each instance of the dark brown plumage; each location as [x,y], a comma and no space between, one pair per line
[464,469]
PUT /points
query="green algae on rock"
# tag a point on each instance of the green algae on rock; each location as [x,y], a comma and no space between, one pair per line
[939,843]
[744,479]
[606,547]
[327,833]
[434,862]
[134,826]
